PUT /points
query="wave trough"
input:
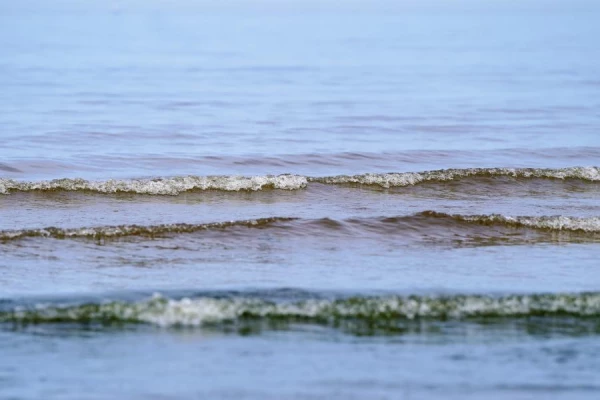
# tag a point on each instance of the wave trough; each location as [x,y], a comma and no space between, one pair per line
[550,223]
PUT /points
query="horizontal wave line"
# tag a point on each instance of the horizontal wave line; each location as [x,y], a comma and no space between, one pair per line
[384,310]
[160,186]
[134,230]
[430,224]
[399,179]
[180,184]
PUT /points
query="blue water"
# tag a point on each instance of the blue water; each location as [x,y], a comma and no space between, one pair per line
[130,99]
[141,91]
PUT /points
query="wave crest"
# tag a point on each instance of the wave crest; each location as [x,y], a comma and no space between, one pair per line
[399,179]
[203,311]
[134,230]
[160,186]
[176,185]
[551,223]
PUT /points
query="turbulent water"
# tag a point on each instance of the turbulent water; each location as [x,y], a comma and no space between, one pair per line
[299,200]
[390,310]
[177,185]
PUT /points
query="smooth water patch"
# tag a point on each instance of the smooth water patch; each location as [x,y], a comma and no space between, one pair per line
[466,362]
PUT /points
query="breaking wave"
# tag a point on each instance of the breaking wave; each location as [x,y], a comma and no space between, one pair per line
[591,174]
[160,186]
[551,223]
[176,185]
[387,312]
[428,224]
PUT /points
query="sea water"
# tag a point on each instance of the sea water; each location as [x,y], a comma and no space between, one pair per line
[299,200]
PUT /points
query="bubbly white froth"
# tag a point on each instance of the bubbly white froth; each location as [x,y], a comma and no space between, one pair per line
[398,179]
[163,186]
[177,185]
[555,223]
[163,311]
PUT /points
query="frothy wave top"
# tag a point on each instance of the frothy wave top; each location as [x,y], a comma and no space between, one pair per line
[398,179]
[552,223]
[201,311]
[161,186]
[176,185]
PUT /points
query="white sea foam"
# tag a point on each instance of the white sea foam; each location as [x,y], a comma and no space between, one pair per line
[161,186]
[132,230]
[398,179]
[428,222]
[555,223]
[177,185]
[163,311]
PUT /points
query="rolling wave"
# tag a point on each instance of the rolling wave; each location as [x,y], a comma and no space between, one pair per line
[160,186]
[549,223]
[426,224]
[591,174]
[134,230]
[177,185]
[387,311]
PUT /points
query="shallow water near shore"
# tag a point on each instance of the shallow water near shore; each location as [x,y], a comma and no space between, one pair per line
[299,202]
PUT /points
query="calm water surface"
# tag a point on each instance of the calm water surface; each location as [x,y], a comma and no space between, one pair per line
[299,202]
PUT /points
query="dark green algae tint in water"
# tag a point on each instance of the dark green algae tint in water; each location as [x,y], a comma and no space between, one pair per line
[424,176]
[357,353]
[362,315]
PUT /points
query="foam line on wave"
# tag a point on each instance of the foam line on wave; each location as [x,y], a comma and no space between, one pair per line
[160,186]
[550,223]
[399,179]
[201,311]
[180,184]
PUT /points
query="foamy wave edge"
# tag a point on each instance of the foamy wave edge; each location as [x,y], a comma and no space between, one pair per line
[551,223]
[160,186]
[176,185]
[399,179]
[163,311]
